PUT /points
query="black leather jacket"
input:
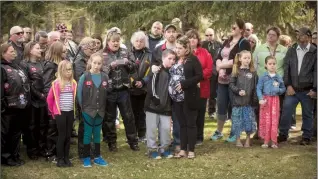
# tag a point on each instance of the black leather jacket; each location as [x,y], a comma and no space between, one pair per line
[49,74]
[79,65]
[246,80]
[35,74]
[119,76]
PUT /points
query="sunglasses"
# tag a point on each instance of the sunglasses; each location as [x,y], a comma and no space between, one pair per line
[19,33]
[209,35]
[28,32]
[62,31]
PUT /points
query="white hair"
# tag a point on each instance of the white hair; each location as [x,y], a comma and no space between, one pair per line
[53,33]
[253,36]
[249,24]
[139,35]
[15,29]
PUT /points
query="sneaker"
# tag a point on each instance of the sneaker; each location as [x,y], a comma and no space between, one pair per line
[87,162]
[142,139]
[293,128]
[154,155]
[100,161]
[167,154]
[231,138]
[305,141]
[274,146]
[134,147]
[52,159]
[60,163]
[199,143]
[216,136]
[68,162]
[265,146]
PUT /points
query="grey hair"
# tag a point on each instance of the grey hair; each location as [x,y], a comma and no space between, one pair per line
[139,35]
[53,33]
[40,34]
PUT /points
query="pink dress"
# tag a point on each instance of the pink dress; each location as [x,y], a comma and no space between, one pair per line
[269,119]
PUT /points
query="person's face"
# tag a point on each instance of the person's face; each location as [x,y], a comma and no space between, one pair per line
[36,51]
[98,44]
[63,34]
[89,50]
[10,54]
[96,64]
[180,50]
[209,36]
[194,42]
[18,36]
[54,39]
[252,42]
[236,30]
[169,60]
[271,65]
[245,59]
[156,29]
[27,34]
[170,35]
[68,71]
[272,36]
[69,36]
[139,44]
[314,39]
[113,44]
[302,38]
[43,42]
[64,52]
[248,31]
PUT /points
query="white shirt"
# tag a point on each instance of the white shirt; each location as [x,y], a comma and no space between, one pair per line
[300,55]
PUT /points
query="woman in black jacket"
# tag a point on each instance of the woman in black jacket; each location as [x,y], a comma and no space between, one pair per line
[235,44]
[184,89]
[139,81]
[15,99]
[55,54]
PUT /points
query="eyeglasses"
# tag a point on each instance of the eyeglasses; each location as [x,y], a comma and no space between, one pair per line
[209,35]
[19,33]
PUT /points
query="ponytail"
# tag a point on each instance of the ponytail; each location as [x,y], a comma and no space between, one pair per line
[236,65]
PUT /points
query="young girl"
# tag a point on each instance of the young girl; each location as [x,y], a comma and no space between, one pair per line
[92,93]
[269,87]
[243,85]
[61,104]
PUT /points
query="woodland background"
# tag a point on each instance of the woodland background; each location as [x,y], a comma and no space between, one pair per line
[86,18]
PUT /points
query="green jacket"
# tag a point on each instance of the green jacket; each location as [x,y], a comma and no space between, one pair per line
[262,51]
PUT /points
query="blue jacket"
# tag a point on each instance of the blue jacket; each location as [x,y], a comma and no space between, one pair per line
[265,86]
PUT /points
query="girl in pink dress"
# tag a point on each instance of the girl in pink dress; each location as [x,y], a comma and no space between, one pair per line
[269,87]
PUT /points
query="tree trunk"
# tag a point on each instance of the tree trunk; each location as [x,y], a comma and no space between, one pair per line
[78,28]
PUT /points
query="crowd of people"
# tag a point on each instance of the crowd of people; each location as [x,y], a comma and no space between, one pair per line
[156,80]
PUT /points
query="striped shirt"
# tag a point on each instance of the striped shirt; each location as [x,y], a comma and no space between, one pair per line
[66,98]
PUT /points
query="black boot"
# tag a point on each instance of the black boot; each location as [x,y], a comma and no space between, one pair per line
[112,147]
[134,147]
[67,162]
[61,163]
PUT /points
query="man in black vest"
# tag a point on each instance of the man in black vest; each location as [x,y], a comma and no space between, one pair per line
[16,40]
[213,48]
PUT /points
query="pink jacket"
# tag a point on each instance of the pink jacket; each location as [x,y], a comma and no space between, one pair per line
[53,98]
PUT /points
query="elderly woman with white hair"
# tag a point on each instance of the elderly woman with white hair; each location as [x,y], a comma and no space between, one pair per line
[254,42]
[139,80]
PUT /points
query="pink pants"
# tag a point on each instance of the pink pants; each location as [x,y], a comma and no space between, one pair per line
[269,119]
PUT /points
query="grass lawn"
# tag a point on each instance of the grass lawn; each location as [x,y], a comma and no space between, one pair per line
[214,160]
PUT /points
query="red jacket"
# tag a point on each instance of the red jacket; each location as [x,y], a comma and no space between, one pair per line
[207,66]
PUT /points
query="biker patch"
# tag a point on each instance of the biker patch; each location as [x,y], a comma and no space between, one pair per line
[88,83]
[33,69]
[104,83]
[9,70]
[6,86]
[249,75]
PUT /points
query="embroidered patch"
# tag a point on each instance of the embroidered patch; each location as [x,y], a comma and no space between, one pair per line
[33,69]
[104,83]
[249,75]
[6,86]
[9,70]
[275,83]
[88,83]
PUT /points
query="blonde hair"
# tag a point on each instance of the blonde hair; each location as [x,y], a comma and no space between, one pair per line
[54,54]
[60,73]
[87,42]
[89,62]
[111,34]
[237,64]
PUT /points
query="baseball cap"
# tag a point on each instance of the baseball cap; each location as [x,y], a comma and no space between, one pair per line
[305,31]
[170,25]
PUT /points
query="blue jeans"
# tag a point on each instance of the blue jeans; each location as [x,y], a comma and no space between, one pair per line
[224,103]
[176,128]
[289,107]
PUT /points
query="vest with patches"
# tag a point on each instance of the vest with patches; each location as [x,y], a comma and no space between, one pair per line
[16,87]
[94,99]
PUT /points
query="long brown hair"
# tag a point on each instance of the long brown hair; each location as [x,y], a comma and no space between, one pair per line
[4,48]
[237,64]
[27,50]
[54,54]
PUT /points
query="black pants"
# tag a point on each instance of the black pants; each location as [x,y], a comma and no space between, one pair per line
[39,127]
[51,139]
[137,104]
[212,100]
[188,128]
[201,119]
[122,100]
[11,127]
[64,124]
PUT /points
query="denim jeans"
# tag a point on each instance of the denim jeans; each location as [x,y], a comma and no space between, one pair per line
[176,128]
[289,107]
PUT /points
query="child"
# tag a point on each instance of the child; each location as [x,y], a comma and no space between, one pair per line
[92,93]
[269,87]
[243,85]
[158,108]
[61,104]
